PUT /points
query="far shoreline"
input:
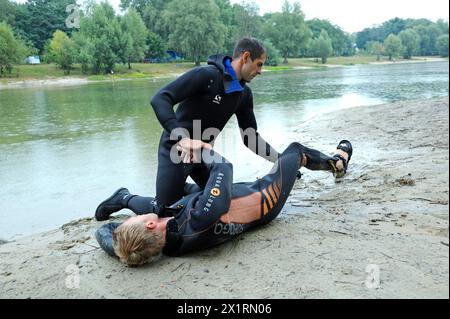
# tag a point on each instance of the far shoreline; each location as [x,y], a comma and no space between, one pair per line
[75,80]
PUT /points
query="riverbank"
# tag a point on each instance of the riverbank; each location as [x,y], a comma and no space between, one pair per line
[389,214]
[333,62]
[46,75]
[51,76]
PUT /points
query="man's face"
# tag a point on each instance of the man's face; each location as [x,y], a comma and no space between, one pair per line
[252,68]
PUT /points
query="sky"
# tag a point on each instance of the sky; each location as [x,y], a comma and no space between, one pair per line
[355,15]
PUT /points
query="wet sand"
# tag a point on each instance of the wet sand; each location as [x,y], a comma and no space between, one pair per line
[387,217]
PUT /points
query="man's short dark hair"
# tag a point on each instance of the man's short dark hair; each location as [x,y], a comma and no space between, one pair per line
[252,45]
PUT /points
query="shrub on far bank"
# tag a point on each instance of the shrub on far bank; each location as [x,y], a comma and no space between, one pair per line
[12,49]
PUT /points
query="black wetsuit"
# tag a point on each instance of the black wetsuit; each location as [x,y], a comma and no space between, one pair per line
[224,210]
[205,94]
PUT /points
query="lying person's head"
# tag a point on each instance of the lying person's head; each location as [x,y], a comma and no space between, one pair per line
[139,239]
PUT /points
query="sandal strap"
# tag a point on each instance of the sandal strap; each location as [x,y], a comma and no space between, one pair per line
[347,147]
[338,157]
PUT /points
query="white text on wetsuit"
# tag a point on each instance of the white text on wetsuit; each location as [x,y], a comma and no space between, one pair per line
[211,196]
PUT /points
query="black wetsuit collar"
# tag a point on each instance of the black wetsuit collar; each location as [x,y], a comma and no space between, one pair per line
[218,61]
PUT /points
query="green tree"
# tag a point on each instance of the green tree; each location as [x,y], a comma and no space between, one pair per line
[442,44]
[273,55]
[322,47]
[247,21]
[433,33]
[153,17]
[7,12]
[227,16]
[88,6]
[287,30]
[62,50]
[195,28]
[12,49]
[414,23]
[369,34]
[84,49]
[424,39]
[380,33]
[134,29]
[428,39]
[341,41]
[426,29]
[313,49]
[393,46]
[410,41]
[156,47]
[376,48]
[442,26]
[37,20]
[103,37]
[393,26]
[141,5]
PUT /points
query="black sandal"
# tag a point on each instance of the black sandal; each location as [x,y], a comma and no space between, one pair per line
[347,147]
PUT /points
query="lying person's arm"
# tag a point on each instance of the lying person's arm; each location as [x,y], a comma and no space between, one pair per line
[104,236]
[216,198]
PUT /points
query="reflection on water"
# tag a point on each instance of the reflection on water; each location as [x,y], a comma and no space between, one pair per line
[63,150]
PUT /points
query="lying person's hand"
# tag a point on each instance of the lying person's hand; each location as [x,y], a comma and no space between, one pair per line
[191,150]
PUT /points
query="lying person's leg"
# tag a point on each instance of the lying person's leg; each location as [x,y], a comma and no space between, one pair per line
[337,164]
[277,186]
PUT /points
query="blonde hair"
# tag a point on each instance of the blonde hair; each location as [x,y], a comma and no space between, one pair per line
[135,245]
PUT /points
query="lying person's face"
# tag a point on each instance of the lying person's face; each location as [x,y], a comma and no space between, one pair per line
[139,238]
[149,220]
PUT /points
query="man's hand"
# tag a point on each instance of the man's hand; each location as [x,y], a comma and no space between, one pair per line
[191,150]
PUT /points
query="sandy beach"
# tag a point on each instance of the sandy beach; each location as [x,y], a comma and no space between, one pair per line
[381,232]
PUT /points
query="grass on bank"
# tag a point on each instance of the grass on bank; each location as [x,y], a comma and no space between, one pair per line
[141,70]
[138,71]
[351,60]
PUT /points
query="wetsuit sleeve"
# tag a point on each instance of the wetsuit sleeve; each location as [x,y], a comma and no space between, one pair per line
[191,83]
[104,236]
[249,129]
[216,197]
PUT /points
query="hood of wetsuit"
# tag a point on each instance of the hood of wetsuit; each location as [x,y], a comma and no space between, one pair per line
[231,83]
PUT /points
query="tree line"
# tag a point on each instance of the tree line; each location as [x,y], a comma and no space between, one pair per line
[405,37]
[98,38]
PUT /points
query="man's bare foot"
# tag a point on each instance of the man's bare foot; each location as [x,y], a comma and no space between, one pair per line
[340,164]
[304,161]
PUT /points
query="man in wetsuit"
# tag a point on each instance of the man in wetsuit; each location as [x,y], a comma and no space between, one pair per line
[208,96]
[216,214]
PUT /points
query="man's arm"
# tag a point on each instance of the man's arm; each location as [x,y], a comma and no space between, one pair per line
[189,84]
[249,130]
